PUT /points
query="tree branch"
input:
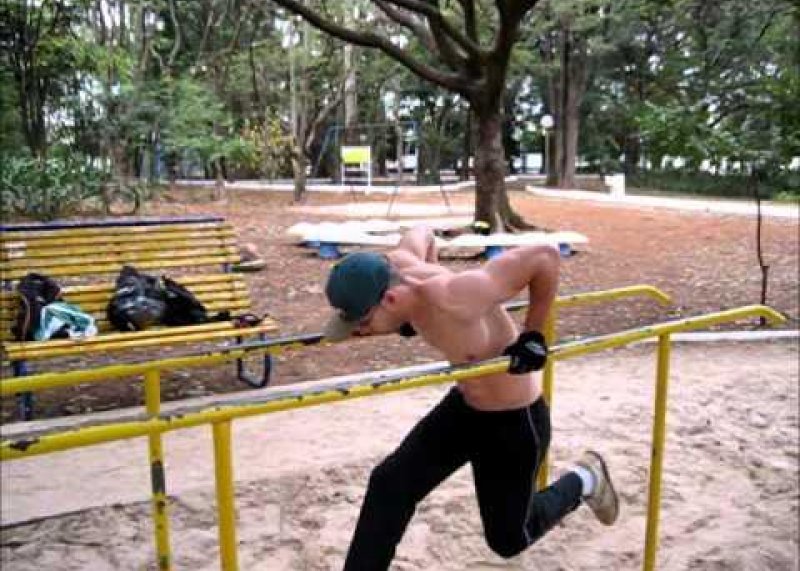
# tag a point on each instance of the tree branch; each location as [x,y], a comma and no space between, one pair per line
[177,44]
[436,17]
[450,81]
[408,21]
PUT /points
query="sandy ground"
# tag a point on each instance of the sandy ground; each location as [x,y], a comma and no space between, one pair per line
[730,496]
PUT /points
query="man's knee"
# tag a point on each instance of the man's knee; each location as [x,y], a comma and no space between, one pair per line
[387,477]
[507,542]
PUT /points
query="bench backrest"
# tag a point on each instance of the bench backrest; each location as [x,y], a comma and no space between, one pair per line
[86,258]
[69,252]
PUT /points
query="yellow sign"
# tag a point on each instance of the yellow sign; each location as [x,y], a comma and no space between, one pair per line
[356,155]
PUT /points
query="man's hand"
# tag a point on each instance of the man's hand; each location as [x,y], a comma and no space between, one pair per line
[528,353]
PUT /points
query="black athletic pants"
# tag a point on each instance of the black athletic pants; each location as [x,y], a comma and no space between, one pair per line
[504,449]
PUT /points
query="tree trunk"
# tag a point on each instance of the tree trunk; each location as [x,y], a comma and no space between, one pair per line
[350,98]
[491,201]
[566,89]
[490,167]
[299,163]
[219,180]
[554,137]
[466,149]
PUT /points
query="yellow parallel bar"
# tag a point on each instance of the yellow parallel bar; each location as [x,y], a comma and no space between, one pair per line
[158,481]
[617,293]
[599,343]
[24,447]
[226,502]
[543,476]
[99,344]
[34,383]
[48,380]
[657,455]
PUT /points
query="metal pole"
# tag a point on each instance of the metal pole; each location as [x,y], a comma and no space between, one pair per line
[547,392]
[226,508]
[657,455]
[152,399]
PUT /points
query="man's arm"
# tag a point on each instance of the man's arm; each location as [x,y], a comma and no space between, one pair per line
[477,291]
[420,241]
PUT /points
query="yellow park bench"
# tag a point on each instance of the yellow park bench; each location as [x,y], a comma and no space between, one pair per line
[85,258]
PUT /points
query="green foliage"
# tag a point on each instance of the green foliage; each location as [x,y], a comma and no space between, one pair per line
[48,189]
[784,185]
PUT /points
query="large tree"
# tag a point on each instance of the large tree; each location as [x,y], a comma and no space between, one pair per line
[468,44]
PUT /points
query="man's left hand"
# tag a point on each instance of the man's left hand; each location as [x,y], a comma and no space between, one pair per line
[528,353]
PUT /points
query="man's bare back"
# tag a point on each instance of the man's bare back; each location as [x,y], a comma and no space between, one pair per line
[465,339]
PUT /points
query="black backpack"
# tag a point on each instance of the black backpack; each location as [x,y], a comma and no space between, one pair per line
[138,301]
[183,308]
[35,291]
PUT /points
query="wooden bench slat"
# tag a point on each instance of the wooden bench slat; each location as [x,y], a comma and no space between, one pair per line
[115,336]
[191,281]
[87,250]
[109,256]
[105,328]
[111,268]
[195,283]
[182,335]
[16,245]
[45,234]
[219,299]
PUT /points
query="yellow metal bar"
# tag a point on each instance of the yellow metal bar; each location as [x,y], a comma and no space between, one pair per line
[33,383]
[98,344]
[226,503]
[40,444]
[595,344]
[547,391]
[152,400]
[657,455]
[43,381]
[616,293]
[596,296]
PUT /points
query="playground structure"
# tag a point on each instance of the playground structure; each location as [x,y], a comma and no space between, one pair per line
[220,417]
[367,139]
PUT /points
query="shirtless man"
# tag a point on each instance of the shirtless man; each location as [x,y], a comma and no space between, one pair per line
[499,423]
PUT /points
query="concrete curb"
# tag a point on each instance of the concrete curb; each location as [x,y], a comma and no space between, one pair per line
[724,207]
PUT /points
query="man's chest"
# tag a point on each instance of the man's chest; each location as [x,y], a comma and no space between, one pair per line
[461,341]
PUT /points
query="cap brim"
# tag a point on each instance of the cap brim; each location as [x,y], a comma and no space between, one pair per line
[337,329]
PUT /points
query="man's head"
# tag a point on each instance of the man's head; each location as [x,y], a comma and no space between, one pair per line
[355,286]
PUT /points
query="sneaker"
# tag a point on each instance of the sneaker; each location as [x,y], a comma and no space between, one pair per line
[603,500]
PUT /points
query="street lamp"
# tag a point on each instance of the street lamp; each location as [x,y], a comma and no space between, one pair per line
[547,123]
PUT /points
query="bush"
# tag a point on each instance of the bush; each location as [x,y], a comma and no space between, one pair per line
[48,189]
[782,185]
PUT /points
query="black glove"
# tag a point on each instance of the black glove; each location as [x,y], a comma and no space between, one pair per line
[406,330]
[528,353]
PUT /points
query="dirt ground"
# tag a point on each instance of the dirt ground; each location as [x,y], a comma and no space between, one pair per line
[706,262]
[729,495]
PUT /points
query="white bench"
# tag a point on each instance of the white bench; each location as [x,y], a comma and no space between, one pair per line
[326,237]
